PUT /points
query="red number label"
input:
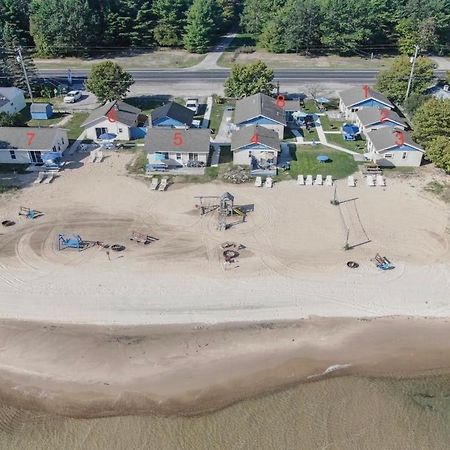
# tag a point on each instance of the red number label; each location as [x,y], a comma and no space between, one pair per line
[281,101]
[112,115]
[255,139]
[177,139]
[31,137]
[384,114]
[366,90]
[400,138]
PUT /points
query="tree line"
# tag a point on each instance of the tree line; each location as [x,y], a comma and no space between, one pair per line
[348,26]
[80,27]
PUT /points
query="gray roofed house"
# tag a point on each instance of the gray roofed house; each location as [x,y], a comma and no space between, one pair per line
[249,109]
[255,146]
[178,146]
[23,145]
[12,100]
[115,117]
[390,147]
[123,113]
[357,94]
[368,118]
[172,114]
[255,134]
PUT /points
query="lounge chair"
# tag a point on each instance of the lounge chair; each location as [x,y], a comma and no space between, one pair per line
[40,178]
[309,180]
[50,178]
[269,182]
[351,181]
[93,156]
[381,181]
[163,185]
[301,180]
[154,185]
[370,180]
[258,181]
[329,180]
[99,157]
[318,181]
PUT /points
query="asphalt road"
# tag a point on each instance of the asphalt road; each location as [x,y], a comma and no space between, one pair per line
[185,75]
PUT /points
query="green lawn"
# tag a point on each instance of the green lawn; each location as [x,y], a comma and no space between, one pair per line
[330,124]
[216,116]
[310,135]
[356,146]
[310,106]
[306,163]
[74,125]
[242,43]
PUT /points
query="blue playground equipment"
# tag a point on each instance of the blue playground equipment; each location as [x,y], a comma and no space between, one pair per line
[29,213]
[382,262]
[72,241]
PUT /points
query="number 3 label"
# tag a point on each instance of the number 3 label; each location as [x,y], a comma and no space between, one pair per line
[177,139]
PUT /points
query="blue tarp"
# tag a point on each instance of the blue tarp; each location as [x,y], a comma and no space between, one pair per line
[51,156]
[350,131]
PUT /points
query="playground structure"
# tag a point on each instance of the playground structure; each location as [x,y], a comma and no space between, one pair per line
[226,208]
[142,238]
[74,241]
[30,213]
[382,262]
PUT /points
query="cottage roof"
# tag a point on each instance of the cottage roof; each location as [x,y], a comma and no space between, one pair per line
[255,134]
[357,94]
[38,138]
[386,138]
[192,140]
[8,93]
[123,113]
[369,116]
[258,105]
[174,111]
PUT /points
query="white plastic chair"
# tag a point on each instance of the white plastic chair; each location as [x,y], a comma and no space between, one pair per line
[318,181]
[371,180]
[258,181]
[309,180]
[163,185]
[269,182]
[329,180]
[154,184]
[301,180]
[351,181]
[381,181]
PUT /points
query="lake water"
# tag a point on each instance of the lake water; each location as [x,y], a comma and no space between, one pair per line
[342,413]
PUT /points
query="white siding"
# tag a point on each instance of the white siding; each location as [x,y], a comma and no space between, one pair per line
[241,157]
[122,130]
[413,159]
[22,157]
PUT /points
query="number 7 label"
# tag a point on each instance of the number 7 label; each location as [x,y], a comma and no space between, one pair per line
[31,135]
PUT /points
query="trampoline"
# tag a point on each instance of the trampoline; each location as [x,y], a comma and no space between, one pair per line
[323,158]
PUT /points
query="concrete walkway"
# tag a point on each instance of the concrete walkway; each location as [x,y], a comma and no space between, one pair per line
[298,137]
[210,61]
[323,140]
[223,137]
[207,115]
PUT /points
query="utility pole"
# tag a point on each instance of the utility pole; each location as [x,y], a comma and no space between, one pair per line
[410,81]
[20,60]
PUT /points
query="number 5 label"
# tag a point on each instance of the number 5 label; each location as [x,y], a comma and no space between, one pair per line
[177,139]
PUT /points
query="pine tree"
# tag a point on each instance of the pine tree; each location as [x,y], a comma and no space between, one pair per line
[142,31]
[201,24]
[5,75]
[170,21]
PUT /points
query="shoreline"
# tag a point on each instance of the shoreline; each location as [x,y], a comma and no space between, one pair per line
[87,371]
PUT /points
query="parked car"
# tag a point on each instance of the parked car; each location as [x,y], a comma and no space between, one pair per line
[192,104]
[72,97]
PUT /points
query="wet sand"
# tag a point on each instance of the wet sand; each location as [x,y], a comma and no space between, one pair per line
[93,371]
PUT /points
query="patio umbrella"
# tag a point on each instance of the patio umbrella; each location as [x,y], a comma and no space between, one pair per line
[323,158]
[108,136]
[323,100]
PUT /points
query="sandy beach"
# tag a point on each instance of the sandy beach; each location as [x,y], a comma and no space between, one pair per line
[167,328]
[293,266]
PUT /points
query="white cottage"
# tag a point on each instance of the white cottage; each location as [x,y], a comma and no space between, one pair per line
[25,145]
[12,100]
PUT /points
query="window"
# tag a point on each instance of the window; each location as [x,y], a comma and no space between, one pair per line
[12,153]
[193,156]
[388,155]
[120,130]
[178,156]
[100,131]
[404,155]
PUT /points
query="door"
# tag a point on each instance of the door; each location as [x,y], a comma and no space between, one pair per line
[35,157]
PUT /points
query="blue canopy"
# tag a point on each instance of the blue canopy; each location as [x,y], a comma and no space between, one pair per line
[159,156]
[323,100]
[323,158]
[51,156]
[107,136]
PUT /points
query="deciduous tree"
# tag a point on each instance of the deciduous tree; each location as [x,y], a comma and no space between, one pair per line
[108,81]
[393,82]
[432,119]
[248,79]
[438,151]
